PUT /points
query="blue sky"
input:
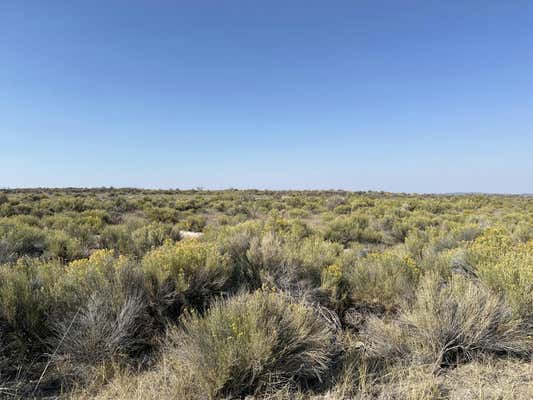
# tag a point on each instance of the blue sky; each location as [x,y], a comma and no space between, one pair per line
[407,96]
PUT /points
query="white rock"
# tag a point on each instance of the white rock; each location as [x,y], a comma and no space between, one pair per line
[190,234]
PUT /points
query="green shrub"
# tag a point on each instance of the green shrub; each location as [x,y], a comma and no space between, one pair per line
[162,214]
[379,280]
[61,245]
[449,322]
[234,242]
[30,295]
[253,343]
[523,231]
[117,237]
[352,229]
[195,223]
[21,239]
[149,237]
[289,259]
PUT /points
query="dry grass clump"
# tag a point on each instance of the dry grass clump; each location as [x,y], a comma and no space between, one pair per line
[101,335]
[167,380]
[449,322]
[255,342]
[487,379]
[403,383]
[490,379]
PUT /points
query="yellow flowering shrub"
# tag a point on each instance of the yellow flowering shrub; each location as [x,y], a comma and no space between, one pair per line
[179,261]
[331,275]
[100,267]
[334,280]
[99,264]
[506,266]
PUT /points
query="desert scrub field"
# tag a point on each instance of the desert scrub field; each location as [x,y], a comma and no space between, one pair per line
[286,295]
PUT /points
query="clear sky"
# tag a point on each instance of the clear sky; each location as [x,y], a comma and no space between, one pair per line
[410,96]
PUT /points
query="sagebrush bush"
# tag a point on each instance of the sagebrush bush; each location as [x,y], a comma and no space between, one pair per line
[20,239]
[449,322]
[61,245]
[28,296]
[377,280]
[254,342]
[194,223]
[346,230]
[288,260]
[234,243]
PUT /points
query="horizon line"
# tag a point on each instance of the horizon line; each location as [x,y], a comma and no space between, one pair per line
[204,189]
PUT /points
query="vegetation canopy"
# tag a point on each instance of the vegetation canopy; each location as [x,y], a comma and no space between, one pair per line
[127,293]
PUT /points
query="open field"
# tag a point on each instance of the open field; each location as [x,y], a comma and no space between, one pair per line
[110,294]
